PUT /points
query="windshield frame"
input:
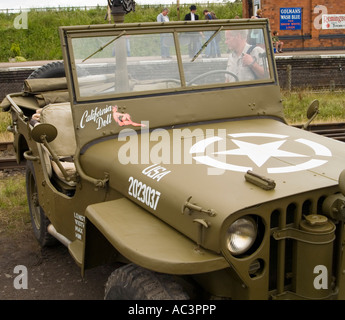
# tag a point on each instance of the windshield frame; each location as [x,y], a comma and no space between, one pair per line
[69,34]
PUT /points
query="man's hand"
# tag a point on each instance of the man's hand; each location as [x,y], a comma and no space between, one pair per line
[248,60]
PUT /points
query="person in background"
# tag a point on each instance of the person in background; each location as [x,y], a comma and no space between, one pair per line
[212,50]
[207,14]
[277,44]
[195,42]
[259,14]
[163,17]
[191,16]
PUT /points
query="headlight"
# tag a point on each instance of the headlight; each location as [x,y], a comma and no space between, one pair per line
[241,235]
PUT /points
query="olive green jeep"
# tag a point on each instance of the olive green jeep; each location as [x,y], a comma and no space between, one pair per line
[163,147]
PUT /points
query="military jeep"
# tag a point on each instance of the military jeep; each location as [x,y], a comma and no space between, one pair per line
[177,167]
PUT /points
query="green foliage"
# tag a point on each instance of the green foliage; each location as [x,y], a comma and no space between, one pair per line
[14,215]
[331,108]
[5,121]
[15,50]
[40,41]
[19,59]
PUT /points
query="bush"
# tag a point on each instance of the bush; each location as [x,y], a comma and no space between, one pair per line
[15,50]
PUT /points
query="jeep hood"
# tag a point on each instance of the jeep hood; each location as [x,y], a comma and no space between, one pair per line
[206,165]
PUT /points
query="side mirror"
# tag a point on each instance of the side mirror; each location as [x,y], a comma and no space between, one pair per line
[312,112]
[44,131]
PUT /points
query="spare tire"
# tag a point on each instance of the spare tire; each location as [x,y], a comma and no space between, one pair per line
[54,69]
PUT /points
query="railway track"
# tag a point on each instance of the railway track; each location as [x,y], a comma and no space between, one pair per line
[10,163]
[331,130]
[7,157]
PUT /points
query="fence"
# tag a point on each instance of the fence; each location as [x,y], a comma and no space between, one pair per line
[12,11]
[316,72]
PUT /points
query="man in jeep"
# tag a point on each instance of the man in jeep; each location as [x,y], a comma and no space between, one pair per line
[244,60]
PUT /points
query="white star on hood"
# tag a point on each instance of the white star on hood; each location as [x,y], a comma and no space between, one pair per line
[260,153]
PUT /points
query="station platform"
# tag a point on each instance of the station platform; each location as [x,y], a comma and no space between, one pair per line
[310,53]
[285,55]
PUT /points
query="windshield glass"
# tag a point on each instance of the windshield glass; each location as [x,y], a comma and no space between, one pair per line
[132,63]
[225,56]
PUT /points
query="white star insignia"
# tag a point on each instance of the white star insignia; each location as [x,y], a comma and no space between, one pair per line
[260,153]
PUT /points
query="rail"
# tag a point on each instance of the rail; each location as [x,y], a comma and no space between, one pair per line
[331,130]
[8,161]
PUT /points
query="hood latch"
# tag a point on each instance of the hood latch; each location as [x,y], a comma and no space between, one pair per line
[260,181]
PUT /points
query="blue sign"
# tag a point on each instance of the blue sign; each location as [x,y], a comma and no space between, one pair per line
[290,18]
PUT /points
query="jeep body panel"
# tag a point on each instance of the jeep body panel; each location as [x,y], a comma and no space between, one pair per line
[149,242]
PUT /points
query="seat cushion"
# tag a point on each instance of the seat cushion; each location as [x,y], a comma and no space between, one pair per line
[60,116]
[69,168]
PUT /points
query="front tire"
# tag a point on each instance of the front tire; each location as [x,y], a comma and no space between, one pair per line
[131,282]
[39,221]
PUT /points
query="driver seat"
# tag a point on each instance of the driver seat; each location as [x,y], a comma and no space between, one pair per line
[64,145]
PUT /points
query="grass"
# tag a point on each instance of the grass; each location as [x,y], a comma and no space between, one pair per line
[40,40]
[296,103]
[14,211]
[5,121]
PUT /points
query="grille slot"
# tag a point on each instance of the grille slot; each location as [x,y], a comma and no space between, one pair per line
[282,251]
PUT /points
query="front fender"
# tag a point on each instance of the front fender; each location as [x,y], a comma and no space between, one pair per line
[147,241]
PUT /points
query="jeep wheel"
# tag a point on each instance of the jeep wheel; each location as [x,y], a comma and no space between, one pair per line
[39,220]
[131,282]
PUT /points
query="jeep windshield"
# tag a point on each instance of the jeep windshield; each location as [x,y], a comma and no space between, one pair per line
[108,62]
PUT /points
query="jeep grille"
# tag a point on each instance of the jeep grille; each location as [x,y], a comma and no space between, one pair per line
[282,251]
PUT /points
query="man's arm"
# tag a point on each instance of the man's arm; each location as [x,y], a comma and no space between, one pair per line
[252,62]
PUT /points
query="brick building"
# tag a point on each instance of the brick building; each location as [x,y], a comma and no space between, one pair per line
[303,24]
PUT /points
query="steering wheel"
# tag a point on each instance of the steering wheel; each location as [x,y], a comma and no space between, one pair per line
[177,81]
[203,75]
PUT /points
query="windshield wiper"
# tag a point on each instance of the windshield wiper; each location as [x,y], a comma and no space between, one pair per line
[206,43]
[107,44]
